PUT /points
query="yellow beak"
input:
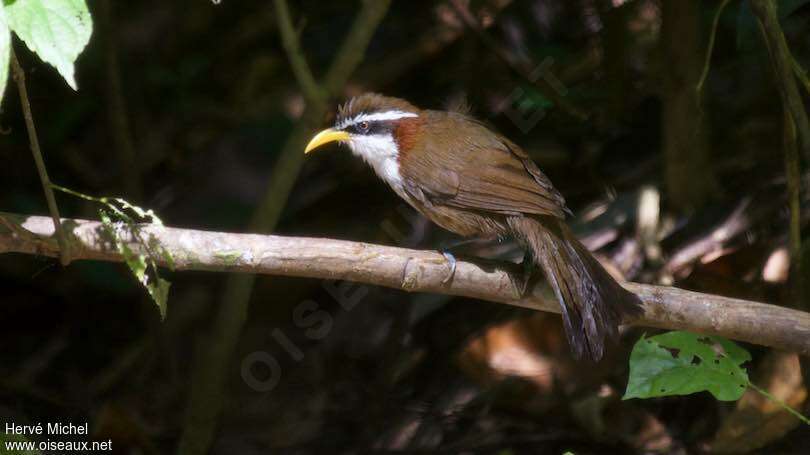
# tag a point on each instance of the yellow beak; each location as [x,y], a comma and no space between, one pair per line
[324,137]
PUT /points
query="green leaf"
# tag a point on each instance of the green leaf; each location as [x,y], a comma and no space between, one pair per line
[682,363]
[5,51]
[148,215]
[159,291]
[56,30]
[142,266]
[120,219]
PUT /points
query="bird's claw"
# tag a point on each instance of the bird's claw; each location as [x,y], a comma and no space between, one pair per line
[522,283]
[451,260]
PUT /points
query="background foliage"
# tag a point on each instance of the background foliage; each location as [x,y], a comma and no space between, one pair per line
[187,108]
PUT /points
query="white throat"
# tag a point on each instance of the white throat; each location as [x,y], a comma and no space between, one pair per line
[378,149]
[381,153]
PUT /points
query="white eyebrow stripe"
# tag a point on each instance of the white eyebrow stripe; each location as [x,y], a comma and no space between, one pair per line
[376,117]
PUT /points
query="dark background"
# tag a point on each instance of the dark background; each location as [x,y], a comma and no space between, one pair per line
[184,107]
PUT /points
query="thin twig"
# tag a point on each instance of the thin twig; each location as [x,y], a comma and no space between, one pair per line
[53,209]
[797,128]
[288,166]
[710,50]
[410,270]
[801,74]
[383,71]
[793,173]
[289,38]
[783,65]
[547,89]
[353,49]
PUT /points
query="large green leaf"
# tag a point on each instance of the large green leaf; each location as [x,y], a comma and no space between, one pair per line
[682,363]
[56,30]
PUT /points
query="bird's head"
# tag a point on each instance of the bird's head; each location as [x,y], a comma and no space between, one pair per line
[375,127]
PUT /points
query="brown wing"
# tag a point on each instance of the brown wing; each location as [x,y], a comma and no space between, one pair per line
[467,166]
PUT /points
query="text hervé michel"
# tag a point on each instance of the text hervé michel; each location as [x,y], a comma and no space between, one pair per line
[55,428]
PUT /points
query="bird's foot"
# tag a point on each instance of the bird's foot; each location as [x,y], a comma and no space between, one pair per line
[445,249]
[522,282]
[451,261]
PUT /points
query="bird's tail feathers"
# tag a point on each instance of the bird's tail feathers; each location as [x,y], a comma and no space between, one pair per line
[592,302]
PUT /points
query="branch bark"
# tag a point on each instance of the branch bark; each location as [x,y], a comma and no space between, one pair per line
[409,270]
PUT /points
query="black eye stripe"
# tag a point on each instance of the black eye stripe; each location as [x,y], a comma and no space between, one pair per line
[374,127]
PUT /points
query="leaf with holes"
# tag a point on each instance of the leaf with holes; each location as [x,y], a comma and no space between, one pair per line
[682,363]
[56,30]
[147,216]
[143,266]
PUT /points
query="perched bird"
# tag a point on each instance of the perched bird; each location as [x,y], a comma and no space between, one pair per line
[476,183]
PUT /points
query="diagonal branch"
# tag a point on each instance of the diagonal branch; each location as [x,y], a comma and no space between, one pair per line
[207,393]
[19,78]
[354,46]
[292,46]
[801,75]
[410,270]
[520,68]
[709,51]
[783,64]
[796,133]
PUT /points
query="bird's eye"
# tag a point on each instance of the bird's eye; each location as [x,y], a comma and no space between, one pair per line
[363,126]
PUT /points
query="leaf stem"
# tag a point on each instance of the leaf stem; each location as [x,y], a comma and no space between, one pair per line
[120,213]
[86,197]
[19,78]
[781,403]
[99,200]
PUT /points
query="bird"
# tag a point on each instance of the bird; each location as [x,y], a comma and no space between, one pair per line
[474,182]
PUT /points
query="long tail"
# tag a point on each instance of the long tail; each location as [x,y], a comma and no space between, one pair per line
[592,302]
